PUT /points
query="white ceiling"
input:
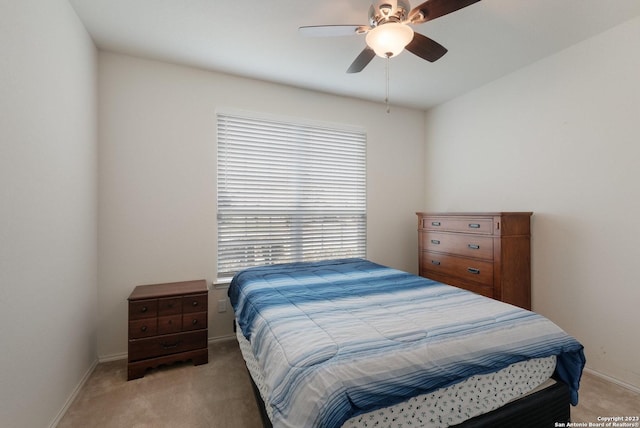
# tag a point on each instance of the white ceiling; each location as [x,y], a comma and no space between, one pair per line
[259,39]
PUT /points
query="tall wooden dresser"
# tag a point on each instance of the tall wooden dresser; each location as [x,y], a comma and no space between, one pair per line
[167,323]
[487,253]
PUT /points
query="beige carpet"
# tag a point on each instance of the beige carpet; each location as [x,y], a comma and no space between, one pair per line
[219,394]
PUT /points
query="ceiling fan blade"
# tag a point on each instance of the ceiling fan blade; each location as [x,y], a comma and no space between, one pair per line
[426,48]
[362,60]
[432,9]
[332,30]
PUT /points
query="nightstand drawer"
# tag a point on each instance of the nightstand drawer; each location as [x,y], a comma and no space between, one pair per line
[170,306]
[468,269]
[467,245]
[170,324]
[143,309]
[195,303]
[166,345]
[194,321]
[143,328]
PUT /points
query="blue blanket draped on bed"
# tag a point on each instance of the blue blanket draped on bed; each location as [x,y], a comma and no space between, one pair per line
[343,337]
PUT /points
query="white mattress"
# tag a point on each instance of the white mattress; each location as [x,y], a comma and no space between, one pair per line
[446,406]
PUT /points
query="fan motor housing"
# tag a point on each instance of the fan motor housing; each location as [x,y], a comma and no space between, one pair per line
[383,11]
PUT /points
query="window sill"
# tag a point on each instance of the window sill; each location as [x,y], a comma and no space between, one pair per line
[221,283]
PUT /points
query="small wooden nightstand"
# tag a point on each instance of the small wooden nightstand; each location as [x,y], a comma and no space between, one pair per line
[167,323]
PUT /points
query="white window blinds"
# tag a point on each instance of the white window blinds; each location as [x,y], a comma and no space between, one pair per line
[288,192]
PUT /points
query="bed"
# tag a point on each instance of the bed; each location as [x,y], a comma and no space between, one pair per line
[351,343]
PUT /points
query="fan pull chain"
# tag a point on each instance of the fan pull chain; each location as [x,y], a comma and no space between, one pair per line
[386,97]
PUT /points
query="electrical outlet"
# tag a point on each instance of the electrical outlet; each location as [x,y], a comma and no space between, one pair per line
[222,305]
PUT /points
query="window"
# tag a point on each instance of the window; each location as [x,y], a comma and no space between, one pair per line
[288,192]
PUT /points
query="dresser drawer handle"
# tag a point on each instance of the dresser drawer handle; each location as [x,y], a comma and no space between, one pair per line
[144,309]
[474,225]
[194,303]
[170,345]
[474,246]
[473,271]
[435,223]
[435,262]
[143,328]
[194,322]
[435,241]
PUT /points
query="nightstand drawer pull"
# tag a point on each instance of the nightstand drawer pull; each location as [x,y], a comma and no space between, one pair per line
[195,303]
[194,322]
[435,242]
[435,262]
[143,328]
[474,225]
[144,309]
[474,246]
[473,271]
[435,223]
[170,345]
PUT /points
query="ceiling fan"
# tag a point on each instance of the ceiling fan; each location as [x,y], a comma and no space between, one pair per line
[389,33]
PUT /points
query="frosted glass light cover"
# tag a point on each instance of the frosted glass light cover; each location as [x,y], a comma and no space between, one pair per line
[388,40]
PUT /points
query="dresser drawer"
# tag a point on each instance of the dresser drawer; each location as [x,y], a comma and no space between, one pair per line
[467,269]
[194,321]
[143,328]
[166,345]
[481,289]
[478,225]
[467,245]
[143,309]
[194,303]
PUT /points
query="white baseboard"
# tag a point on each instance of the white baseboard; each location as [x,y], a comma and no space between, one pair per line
[73,395]
[222,338]
[612,380]
[112,357]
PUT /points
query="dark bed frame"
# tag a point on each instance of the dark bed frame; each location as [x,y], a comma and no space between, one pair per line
[541,409]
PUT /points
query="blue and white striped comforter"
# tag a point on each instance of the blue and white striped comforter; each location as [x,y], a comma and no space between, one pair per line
[343,337]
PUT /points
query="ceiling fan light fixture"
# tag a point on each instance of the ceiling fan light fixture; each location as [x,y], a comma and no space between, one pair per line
[389,39]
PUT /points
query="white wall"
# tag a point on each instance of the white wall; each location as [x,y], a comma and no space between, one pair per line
[560,138]
[48,209]
[157,185]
